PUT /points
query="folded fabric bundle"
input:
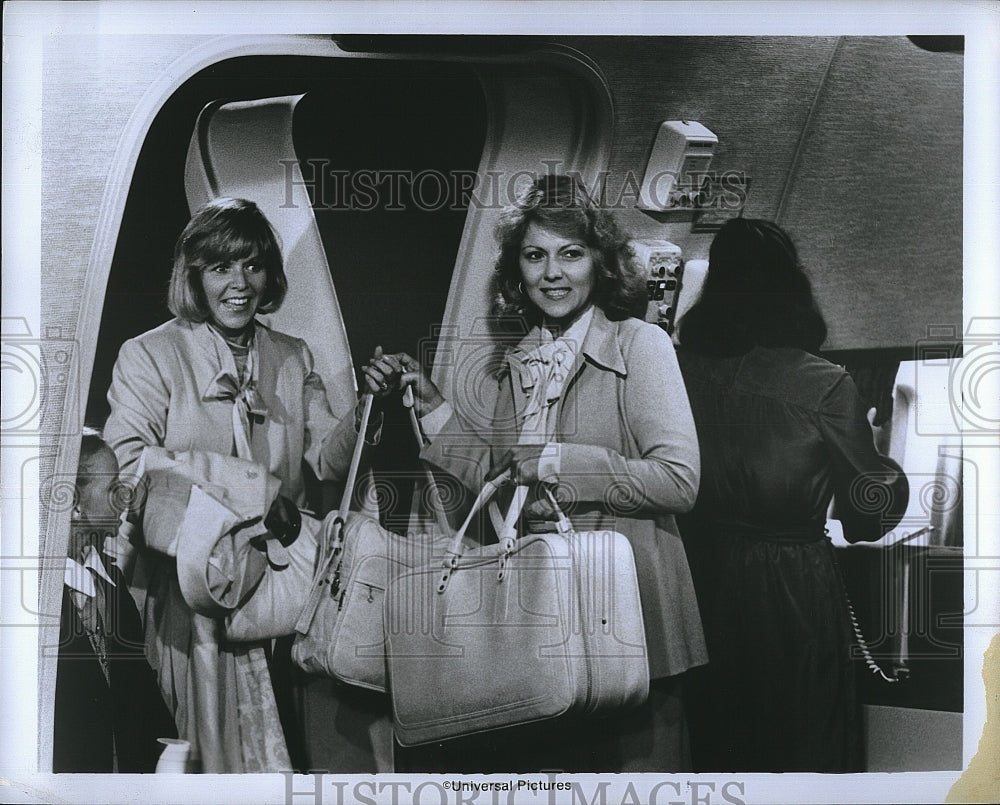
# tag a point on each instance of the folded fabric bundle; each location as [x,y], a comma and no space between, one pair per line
[204,509]
[271,608]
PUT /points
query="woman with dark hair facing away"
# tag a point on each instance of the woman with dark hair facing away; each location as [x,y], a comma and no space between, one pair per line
[215,379]
[781,432]
[591,403]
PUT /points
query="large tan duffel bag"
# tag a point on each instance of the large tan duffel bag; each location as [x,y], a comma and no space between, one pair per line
[531,628]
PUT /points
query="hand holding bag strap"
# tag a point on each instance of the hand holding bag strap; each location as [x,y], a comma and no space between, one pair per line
[508,533]
[506,527]
[563,524]
[329,546]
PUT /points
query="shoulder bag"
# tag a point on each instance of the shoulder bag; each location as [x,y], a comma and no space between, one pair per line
[340,631]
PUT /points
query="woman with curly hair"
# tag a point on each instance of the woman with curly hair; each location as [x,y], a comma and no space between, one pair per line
[591,404]
[781,432]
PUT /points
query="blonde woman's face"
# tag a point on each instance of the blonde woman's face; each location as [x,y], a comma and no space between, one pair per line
[559,274]
[233,292]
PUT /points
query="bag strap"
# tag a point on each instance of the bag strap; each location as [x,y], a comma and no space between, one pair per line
[329,546]
[563,524]
[503,525]
[435,493]
[454,551]
[352,478]
[507,535]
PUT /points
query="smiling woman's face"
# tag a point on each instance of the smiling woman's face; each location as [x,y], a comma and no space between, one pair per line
[559,274]
[233,292]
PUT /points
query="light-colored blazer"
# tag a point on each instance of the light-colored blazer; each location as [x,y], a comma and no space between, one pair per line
[158,397]
[628,460]
[165,391]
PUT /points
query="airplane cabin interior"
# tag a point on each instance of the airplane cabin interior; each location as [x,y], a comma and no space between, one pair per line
[851,143]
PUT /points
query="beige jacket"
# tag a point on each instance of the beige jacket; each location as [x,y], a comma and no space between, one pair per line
[628,460]
[158,397]
[164,392]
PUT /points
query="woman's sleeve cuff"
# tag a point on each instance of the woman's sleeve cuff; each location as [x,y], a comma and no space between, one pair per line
[433,423]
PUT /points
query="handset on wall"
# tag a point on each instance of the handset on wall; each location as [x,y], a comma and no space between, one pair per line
[663,266]
[673,284]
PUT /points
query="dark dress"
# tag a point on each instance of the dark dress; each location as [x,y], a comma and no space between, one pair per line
[98,716]
[780,432]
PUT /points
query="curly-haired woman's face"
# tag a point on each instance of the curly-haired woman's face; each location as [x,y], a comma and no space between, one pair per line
[559,274]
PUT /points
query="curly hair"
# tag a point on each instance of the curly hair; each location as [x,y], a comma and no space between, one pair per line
[560,204]
[756,293]
[223,231]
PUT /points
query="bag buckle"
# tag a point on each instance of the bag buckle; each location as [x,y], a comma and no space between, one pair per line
[506,549]
[450,565]
[335,582]
[563,525]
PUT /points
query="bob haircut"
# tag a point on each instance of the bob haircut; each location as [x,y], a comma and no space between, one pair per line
[223,231]
[560,204]
[755,294]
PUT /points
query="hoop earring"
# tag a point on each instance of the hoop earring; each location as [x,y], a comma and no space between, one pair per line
[520,288]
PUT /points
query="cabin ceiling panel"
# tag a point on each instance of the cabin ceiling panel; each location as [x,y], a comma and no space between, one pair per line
[877,197]
[853,144]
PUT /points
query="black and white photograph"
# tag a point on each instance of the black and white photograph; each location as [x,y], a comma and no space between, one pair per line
[515,402]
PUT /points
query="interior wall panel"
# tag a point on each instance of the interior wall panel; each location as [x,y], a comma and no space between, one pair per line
[91,88]
[754,93]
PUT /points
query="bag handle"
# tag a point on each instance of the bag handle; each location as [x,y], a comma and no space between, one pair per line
[506,525]
[352,477]
[506,530]
[435,494]
[454,551]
